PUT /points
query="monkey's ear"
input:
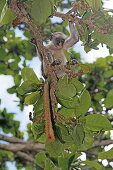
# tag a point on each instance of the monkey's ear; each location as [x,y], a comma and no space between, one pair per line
[51,36]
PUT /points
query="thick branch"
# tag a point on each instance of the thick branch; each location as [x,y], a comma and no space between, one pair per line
[11,139]
[28,146]
[18,146]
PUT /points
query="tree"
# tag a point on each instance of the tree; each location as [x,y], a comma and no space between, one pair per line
[78,126]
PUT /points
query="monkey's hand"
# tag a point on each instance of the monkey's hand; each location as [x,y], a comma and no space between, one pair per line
[72,62]
[56,62]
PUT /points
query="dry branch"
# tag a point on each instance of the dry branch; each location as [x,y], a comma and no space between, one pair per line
[11,139]
[28,146]
[19,147]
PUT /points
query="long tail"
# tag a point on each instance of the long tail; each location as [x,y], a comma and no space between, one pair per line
[48,122]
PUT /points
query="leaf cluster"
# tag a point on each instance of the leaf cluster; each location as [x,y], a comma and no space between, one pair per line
[75,102]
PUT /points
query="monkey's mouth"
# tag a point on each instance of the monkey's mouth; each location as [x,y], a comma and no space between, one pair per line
[59,45]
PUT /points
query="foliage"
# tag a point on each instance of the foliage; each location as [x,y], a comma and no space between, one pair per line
[84,119]
[9,125]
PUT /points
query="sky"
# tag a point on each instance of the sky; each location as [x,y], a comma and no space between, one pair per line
[10,101]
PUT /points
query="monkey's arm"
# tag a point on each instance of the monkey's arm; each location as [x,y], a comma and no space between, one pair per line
[74,36]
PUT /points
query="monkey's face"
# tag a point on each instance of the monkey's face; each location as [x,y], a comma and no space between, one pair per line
[58,40]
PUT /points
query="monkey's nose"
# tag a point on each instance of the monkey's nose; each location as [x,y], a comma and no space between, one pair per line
[60,45]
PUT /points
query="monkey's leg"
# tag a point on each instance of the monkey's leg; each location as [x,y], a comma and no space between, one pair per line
[48,122]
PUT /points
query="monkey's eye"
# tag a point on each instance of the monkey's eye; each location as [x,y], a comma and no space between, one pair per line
[57,39]
[62,40]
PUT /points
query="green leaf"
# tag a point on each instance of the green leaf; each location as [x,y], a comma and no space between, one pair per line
[51,148]
[78,134]
[7,16]
[14,65]
[3,54]
[11,90]
[45,8]
[29,75]
[40,159]
[38,129]
[3,68]
[70,103]
[96,122]
[108,73]
[63,163]
[49,165]
[94,4]
[65,135]
[38,106]
[85,103]
[66,90]
[27,87]
[67,112]
[2,3]
[98,96]
[104,38]
[109,99]
[17,80]
[77,103]
[32,98]
[42,138]
[88,140]
[85,68]
[106,155]
[93,164]
[78,85]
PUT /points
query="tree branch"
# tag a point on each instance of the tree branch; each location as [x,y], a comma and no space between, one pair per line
[78,21]
[97,144]
[102,143]
[25,156]
[11,139]
[28,146]
[66,17]
[19,147]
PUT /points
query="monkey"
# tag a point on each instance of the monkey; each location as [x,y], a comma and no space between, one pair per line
[55,49]
[57,45]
